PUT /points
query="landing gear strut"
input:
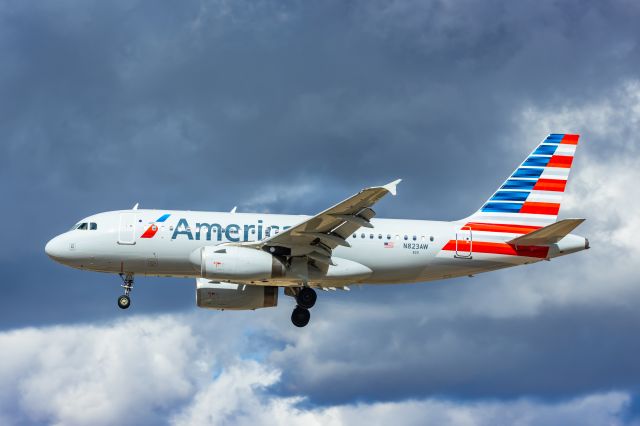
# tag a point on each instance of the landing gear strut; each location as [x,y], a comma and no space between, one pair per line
[305,298]
[127,283]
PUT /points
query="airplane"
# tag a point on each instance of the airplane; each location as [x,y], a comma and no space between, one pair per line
[240,260]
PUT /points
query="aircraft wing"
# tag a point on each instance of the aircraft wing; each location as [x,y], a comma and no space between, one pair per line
[549,234]
[318,235]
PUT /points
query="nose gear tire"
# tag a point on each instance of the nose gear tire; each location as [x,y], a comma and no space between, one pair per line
[124,302]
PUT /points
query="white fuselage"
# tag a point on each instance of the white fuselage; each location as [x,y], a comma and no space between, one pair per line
[396,251]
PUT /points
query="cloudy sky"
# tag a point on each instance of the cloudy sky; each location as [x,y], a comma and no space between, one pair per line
[291,106]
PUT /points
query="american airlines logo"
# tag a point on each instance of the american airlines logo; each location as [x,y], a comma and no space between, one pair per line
[153,228]
[231,232]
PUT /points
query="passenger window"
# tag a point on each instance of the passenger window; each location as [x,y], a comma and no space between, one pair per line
[388,236]
[379,236]
[431,238]
[94,226]
[362,235]
[355,236]
[83,226]
[415,238]
[406,237]
[371,236]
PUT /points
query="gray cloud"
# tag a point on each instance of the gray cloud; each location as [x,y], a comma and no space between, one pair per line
[141,96]
[292,106]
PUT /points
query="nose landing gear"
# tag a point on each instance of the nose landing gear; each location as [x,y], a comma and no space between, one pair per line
[127,283]
[306,299]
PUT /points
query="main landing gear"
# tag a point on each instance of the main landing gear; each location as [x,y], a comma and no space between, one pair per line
[127,283]
[305,298]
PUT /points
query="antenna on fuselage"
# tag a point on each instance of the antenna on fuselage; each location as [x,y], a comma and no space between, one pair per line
[233,210]
[135,207]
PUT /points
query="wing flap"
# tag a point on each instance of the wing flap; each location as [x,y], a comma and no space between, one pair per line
[549,234]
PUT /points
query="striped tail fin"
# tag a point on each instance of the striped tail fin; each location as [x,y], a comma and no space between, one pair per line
[530,198]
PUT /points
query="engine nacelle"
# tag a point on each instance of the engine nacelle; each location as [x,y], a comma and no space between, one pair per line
[214,295]
[236,263]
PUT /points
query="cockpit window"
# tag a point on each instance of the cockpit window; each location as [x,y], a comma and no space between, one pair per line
[84,226]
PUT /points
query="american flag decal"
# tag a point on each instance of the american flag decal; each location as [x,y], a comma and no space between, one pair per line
[388,244]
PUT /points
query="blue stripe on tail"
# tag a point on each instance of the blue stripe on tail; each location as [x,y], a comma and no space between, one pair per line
[502,207]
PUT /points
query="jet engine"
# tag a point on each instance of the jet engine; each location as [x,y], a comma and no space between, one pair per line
[236,263]
[214,295]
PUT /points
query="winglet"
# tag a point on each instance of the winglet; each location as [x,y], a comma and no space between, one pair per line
[391,186]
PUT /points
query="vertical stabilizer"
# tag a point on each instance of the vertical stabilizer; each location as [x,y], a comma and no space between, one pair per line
[532,195]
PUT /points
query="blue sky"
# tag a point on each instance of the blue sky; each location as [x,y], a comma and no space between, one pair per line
[289,107]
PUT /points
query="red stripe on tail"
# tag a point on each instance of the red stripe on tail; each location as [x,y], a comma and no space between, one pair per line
[563,161]
[550,185]
[570,139]
[540,208]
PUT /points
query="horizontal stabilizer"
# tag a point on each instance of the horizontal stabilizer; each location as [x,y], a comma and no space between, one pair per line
[549,234]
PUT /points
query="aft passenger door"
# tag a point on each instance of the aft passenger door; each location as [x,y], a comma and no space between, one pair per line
[464,243]
[127,228]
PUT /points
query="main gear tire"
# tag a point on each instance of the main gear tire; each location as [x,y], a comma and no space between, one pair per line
[300,316]
[306,297]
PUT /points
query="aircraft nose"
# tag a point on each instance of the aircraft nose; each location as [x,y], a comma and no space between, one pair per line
[54,248]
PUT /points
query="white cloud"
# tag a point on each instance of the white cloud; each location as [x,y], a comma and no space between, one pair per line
[238,397]
[96,374]
[155,370]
